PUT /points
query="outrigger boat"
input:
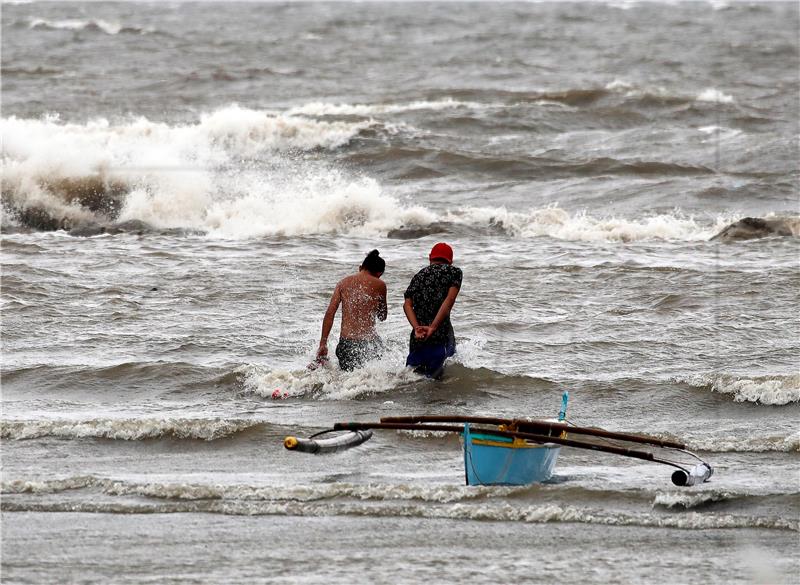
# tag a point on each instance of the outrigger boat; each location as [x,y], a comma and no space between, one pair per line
[501,451]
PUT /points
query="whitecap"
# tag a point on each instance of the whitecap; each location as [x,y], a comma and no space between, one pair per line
[714,95]
[769,390]
[331,109]
[109,28]
[126,429]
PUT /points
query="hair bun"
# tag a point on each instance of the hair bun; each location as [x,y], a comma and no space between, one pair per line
[373,262]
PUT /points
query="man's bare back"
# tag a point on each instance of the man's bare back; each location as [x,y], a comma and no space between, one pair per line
[363,299]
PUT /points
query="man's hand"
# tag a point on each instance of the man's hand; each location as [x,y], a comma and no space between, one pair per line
[322,352]
[422,331]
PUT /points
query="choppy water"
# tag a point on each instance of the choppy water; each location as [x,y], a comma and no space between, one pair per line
[578,157]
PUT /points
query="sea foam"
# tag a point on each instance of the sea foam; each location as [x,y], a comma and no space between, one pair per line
[331,109]
[244,173]
[558,223]
[486,503]
[127,429]
[487,512]
[109,28]
[736,443]
[767,390]
[376,378]
[235,173]
[662,93]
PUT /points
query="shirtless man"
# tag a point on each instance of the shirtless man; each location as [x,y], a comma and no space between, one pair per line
[363,298]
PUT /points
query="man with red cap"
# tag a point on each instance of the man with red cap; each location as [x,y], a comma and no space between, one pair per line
[429,299]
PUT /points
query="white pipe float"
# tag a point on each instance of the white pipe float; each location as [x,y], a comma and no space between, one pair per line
[338,443]
[696,475]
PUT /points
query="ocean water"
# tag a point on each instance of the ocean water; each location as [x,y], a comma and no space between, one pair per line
[184,184]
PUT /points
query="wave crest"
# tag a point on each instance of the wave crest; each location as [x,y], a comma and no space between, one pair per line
[132,429]
[558,223]
[537,514]
[232,172]
[689,501]
[660,94]
[243,173]
[766,390]
[737,444]
[343,109]
[94,24]
[378,377]
[486,503]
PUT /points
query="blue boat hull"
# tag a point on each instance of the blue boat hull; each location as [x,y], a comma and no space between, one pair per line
[493,460]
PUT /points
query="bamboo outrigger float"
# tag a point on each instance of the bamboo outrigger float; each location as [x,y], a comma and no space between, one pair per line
[501,451]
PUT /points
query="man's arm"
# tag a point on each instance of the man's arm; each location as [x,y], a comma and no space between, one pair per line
[383,308]
[419,330]
[444,309]
[408,309]
[327,321]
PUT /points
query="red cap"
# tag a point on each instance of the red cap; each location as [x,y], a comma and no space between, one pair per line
[442,251]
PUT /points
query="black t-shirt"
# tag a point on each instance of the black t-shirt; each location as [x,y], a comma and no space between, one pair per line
[427,291]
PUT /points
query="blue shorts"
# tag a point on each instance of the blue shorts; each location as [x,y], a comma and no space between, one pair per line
[429,359]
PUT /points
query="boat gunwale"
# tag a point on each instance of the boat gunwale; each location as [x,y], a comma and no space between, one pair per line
[483,440]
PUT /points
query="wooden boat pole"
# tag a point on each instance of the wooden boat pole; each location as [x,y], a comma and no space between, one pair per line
[354,426]
[538,425]
[647,456]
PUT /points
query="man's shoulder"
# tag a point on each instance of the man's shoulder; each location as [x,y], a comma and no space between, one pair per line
[347,281]
[376,283]
[421,274]
[448,269]
[360,281]
[456,276]
[452,271]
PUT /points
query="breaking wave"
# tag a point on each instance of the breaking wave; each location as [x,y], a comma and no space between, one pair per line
[103,26]
[662,94]
[558,223]
[582,97]
[767,390]
[444,493]
[381,376]
[689,501]
[384,376]
[244,173]
[701,500]
[237,173]
[329,385]
[537,514]
[366,110]
[733,443]
[48,486]
[126,429]
[378,500]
